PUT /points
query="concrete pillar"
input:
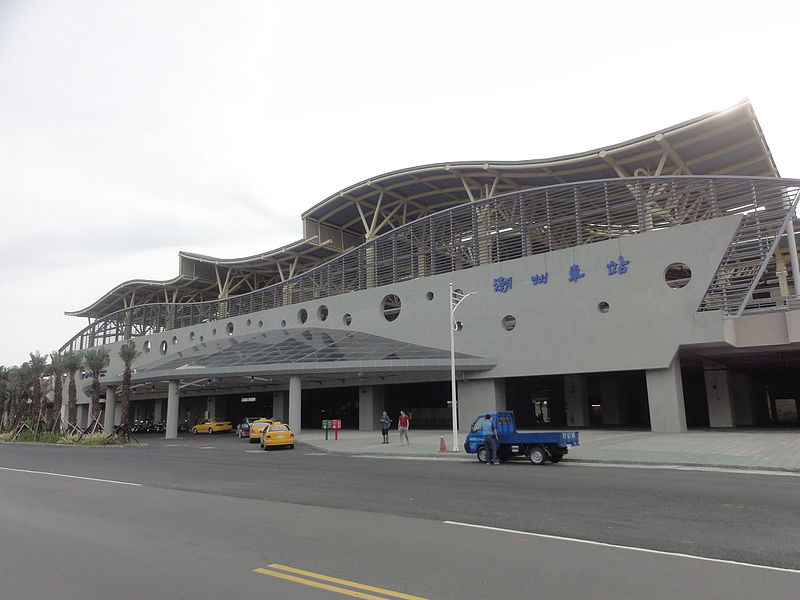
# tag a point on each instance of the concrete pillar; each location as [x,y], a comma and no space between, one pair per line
[111,410]
[83,416]
[158,411]
[211,407]
[576,397]
[612,404]
[718,396]
[371,402]
[479,396]
[665,399]
[295,403]
[173,400]
[280,408]
[744,396]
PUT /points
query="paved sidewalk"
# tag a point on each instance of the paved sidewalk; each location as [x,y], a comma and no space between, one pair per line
[774,450]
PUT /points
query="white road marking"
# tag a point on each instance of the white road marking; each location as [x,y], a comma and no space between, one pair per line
[618,546]
[743,471]
[71,476]
[578,463]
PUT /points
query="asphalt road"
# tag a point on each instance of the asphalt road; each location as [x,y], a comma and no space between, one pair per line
[206,513]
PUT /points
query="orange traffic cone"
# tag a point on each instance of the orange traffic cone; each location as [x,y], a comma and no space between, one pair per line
[442,446]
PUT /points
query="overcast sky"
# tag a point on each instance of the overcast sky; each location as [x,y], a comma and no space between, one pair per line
[132,130]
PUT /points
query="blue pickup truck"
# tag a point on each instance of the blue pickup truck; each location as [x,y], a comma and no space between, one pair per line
[537,447]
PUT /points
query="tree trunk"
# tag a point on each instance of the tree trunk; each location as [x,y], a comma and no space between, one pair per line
[126,401]
[58,399]
[72,400]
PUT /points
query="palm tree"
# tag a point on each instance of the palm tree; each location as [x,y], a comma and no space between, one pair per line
[96,361]
[72,361]
[38,365]
[128,354]
[56,369]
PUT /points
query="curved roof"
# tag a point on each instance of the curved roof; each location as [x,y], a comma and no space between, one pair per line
[727,142]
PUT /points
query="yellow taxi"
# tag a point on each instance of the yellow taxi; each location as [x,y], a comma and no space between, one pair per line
[212,425]
[256,427]
[277,434]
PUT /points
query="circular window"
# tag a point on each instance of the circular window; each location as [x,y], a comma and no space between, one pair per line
[191,336]
[347,319]
[229,328]
[174,339]
[163,347]
[603,307]
[302,315]
[147,346]
[390,307]
[201,338]
[322,313]
[249,322]
[261,324]
[509,322]
[429,295]
[677,275]
[214,331]
[283,323]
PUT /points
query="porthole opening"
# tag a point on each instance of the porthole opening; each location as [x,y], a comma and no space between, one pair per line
[174,339]
[347,319]
[260,324]
[229,328]
[214,331]
[603,307]
[147,346]
[677,275]
[163,347]
[429,296]
[509,322]
[322,313]
[249,322]
[390,307]
[302,315]
[283,323]
[191,336]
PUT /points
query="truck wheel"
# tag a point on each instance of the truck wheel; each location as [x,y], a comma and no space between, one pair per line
[482,454]
[537,455]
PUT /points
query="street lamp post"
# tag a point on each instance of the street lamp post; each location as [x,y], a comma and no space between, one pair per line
[456,298]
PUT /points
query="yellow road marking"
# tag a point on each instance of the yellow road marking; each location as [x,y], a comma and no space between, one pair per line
[333,588]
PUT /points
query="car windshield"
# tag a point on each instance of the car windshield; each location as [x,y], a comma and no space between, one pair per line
[279,428]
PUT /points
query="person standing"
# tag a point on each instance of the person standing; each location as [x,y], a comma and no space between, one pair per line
[489,439]
[402,427]
[385,422]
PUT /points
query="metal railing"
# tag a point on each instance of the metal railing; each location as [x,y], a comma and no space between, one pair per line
[506,227]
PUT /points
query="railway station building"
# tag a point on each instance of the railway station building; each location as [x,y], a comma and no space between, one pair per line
[647,284]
